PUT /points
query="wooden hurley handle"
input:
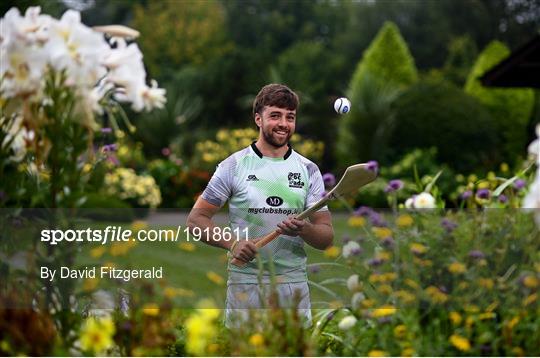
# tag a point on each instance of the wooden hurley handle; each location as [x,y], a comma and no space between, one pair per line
[263,241]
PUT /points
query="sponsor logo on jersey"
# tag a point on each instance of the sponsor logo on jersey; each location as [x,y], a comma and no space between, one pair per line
[280,211]
[252,177]
[295,180]
[274,201]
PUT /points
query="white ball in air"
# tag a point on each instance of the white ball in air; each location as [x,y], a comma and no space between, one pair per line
[342,105]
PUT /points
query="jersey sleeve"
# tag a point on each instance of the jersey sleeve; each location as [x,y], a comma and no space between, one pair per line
[316,187]
[220,186]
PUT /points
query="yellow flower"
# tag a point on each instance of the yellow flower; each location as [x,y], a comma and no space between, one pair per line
[151,309]
[404,220]
[417,248]
[411,283]
[199,332]
[408,352]
[332,252]
[455,318]
[530,281]
[90,284]
[436,295]
[486,283]
[457,267]
[460,343]
[382,232]
[384,311]
[530,299]
[97,252]
[215,278]
[201,329]
[356,221]
[169,292]
[375,277]
[385,289]
[472,309]
[120,248]
[96,334]
[504,167]
[384,255]
[256,340]
[513,322]
[486,315]
[367,303]
[405,296]
[187,246]
[400,331]
[518,352]
[377,353]
[86,168]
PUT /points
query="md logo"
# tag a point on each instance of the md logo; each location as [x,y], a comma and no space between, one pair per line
[274,201]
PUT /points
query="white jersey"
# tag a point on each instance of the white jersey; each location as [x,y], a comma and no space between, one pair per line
[262,192]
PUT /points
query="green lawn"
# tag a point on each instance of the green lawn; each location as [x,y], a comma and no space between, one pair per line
[188,270]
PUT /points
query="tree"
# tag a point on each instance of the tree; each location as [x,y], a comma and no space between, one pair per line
[179,33]
[387,58]
[511,108]
[385,69]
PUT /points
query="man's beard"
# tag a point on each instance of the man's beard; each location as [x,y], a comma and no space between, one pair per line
[274,141]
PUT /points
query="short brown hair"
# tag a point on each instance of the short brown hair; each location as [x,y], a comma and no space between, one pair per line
[277,95]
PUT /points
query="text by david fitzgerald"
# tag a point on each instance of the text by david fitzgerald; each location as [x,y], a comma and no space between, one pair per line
[103,272]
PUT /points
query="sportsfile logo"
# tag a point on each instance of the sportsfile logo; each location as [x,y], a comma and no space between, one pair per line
[295,180]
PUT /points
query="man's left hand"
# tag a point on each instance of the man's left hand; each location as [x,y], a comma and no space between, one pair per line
[291,226]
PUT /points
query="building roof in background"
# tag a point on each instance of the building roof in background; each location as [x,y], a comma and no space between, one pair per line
[520,69]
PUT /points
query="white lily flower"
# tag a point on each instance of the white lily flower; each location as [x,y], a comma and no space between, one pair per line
[16,136]
[352,283]
[153,97]
[351,248]
[409,203]
[532,199]
[27,30]
[356,299]
[96,94]
[424,201]
[35,44]
[22,69]
[534,147]
[347,323]
[77,49]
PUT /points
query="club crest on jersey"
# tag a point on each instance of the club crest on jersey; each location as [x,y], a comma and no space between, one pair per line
[295,180]
[252,177]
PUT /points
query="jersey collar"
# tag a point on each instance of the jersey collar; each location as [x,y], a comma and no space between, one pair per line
[260,155]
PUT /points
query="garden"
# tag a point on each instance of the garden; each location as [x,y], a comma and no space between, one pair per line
[115,115]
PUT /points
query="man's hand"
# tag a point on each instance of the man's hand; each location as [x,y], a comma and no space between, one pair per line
[244,250]
[291,226]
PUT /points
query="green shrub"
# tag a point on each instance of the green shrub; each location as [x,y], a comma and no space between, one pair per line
[511,108]
[103,207]
[442,116]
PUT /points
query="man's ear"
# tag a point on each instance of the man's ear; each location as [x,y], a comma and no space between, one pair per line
[258,120]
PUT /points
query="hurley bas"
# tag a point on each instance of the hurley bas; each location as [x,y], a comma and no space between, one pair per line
[101,272]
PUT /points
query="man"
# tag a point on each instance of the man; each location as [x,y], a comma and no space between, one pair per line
[266,184]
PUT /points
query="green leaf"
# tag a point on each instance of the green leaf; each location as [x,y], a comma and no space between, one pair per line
[432,182]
